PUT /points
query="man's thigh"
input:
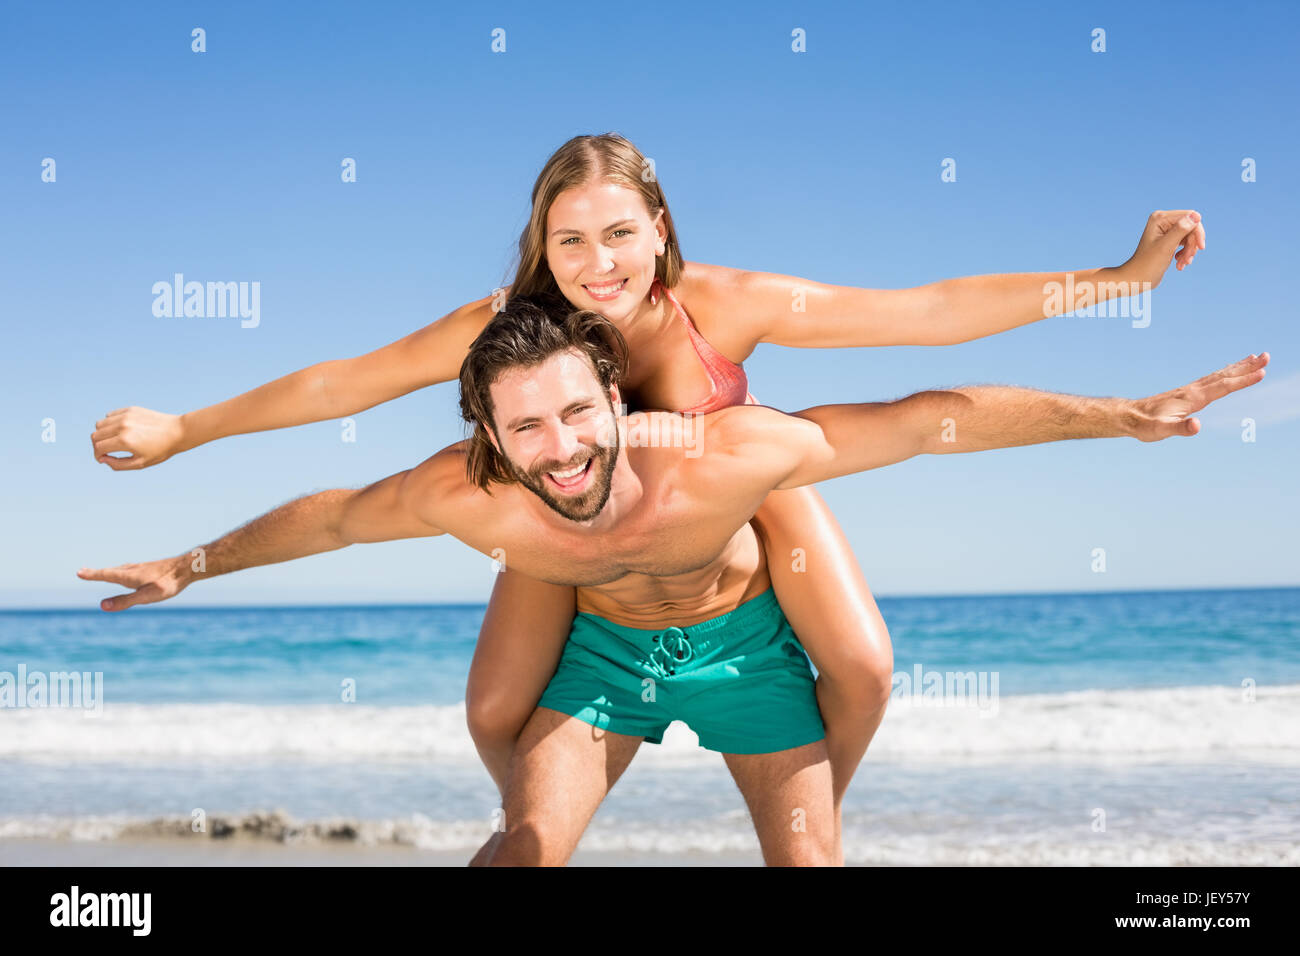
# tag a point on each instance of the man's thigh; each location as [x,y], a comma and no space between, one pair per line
[790,800]
[561,770]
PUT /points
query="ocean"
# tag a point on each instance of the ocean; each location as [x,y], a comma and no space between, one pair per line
[1156,728]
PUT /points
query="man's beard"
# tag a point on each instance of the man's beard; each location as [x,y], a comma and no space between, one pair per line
[591,502]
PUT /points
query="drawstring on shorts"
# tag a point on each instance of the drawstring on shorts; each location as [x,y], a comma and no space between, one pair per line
[673,648]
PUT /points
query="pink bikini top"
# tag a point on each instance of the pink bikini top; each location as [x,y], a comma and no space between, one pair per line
[730,384]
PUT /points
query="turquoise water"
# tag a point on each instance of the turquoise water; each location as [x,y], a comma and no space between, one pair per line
[1176,712]
[421,654]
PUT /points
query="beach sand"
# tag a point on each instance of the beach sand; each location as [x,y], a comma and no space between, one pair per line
[236,851]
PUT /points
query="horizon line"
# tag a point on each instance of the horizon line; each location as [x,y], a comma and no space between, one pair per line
[483,604]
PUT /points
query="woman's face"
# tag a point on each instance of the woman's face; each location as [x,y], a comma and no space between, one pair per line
[601,245]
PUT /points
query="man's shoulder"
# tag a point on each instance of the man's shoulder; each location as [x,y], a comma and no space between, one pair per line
[737,431]
[441,482]
[731,430]
[442,466]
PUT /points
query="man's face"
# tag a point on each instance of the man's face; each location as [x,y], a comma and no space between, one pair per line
[557,429]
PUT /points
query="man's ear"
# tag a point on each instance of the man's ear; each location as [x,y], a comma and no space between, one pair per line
[492,437]
[607,433]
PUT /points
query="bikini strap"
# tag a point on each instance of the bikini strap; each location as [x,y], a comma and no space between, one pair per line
[696,337]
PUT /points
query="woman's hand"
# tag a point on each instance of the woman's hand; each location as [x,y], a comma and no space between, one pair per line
[1176,234]
[150,437]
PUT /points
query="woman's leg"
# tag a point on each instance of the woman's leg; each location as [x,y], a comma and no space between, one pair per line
[821,590]
[519,647]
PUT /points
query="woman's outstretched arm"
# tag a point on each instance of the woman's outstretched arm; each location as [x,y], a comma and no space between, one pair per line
[332,389]
[754,307]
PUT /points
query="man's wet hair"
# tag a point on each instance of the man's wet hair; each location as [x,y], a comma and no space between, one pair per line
[527,332]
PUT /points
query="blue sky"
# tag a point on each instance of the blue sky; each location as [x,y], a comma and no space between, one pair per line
[225,166]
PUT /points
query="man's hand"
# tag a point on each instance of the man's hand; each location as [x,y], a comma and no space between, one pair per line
[326,521]
[845,439]
[1166,414]
[153,581]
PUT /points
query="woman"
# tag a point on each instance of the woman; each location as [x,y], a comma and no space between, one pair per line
[601,235]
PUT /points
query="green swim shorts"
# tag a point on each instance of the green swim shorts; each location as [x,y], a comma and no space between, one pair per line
[741,680]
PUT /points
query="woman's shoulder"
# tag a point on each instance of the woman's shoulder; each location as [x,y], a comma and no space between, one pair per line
[703,280]
[714,298]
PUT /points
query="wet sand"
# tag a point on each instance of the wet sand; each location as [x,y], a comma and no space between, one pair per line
[246,852]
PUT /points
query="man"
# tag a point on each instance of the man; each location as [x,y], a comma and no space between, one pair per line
[650,521]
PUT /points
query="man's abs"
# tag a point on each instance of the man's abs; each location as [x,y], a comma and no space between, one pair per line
[645,601]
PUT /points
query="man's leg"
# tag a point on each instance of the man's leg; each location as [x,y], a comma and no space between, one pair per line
[830,607]
[561,770]
[789,794]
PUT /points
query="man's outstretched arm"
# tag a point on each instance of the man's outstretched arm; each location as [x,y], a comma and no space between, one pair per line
[852,438]
[325,521]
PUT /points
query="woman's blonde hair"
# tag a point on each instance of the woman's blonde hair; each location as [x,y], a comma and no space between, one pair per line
[607,158]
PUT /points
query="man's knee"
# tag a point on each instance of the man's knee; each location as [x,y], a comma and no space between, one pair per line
[531,843]
[809,849]
[818,856]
